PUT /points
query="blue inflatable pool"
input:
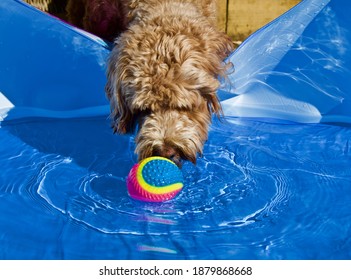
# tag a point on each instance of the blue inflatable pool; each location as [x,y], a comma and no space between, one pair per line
[274,181]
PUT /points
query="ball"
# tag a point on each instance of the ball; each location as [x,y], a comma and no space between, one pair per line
[154,179]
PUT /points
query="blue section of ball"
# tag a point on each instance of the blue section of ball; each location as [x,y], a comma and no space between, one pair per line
[161,173]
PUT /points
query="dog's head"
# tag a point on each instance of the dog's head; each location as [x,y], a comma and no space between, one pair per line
[175,134]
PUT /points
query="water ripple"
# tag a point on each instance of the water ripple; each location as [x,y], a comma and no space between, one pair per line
[226,189]
[260,189]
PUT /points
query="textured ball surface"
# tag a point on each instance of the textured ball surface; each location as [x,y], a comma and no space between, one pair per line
[154,179]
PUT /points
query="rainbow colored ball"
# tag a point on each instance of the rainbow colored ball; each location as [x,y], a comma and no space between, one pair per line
[154,179]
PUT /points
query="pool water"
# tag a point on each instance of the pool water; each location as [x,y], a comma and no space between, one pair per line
[262,190]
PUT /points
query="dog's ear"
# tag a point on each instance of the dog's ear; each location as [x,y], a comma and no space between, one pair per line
[125,121]
[200,75]
[188,155]
[213,104]
[121,115]
[219,44]
[217,47]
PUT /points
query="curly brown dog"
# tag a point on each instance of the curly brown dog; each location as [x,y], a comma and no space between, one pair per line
[163,76]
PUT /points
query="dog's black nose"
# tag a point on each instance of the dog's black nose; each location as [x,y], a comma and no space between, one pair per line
[177,160]
[170,153]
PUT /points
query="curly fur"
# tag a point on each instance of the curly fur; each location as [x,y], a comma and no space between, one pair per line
[163,75]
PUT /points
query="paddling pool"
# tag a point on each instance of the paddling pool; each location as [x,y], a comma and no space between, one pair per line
[274,181]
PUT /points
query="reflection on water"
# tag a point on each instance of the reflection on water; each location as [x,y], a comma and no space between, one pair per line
[261,190]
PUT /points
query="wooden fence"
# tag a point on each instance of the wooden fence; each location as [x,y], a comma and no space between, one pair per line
[240,18]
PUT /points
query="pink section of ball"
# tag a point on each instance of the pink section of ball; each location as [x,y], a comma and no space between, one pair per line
[133,186]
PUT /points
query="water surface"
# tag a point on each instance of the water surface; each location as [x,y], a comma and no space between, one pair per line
[262,190]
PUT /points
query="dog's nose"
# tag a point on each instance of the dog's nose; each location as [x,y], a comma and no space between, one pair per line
[170,153]
[177,160]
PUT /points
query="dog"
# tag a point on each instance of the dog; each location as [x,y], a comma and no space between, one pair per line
[104,18]
[162,76]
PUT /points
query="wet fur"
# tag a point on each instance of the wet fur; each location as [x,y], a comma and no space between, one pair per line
[163,76]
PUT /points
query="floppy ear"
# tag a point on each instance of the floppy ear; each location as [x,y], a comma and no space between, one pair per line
[201,74]
[213,104]
[123,120]
[121,115]
[218,43]
[217,47]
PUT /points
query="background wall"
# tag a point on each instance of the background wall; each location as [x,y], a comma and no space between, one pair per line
[240,18]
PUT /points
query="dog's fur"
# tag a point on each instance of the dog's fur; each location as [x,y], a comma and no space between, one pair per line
[163,75]
[104,18]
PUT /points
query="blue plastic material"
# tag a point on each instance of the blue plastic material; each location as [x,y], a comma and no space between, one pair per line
[261,190]
[47,67]
[295,69]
